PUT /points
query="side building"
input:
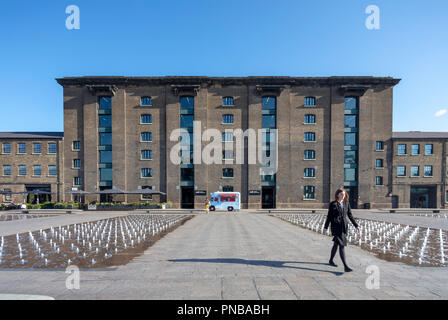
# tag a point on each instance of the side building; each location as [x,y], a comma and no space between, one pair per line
[331,132]
[420,175]
[30,161]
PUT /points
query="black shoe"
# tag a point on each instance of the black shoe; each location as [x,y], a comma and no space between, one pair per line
[331,263]
[347,269]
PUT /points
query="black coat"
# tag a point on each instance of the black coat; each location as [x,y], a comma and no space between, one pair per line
[339,221]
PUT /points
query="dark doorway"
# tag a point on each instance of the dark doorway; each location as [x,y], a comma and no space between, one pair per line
[353,196]
[394,202]
[423,197]
[187,198]
[105,197]
[38,198]
[268,197]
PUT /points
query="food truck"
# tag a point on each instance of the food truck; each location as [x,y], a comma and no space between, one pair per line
[224,201]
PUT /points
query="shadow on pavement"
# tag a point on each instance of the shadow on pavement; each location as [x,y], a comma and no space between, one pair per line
[265,263]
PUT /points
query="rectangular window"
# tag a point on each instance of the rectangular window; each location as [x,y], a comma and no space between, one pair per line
[351,103]
[105,174]
[186,174]
[105,121]
[227,118]
[146,119]
[52,148]
[6,148]
[379,146]
[415,171]
[379,181]
[146,101]
[37,148]
[52,170]
[349,157]
[308,192]
[350,139]
[227,188]
[310,136]
[6,170]
[147,196]
[310,154]
[401,171]
[37,170]
[379,163]
[267,177]
[309,118]
[309,173]
[227,101]
[415,149]
[105,102]
[227,154]
[77,145]
[401,149]
[268,121]
[105,156]
[105,139]
[349,174]
[227,173]
[8,196]
[350,121]
[77,162]
[146,173]
[427,171]
[146,136]
[428,149]
[77,181]
[22,170]
[310,101]
[186,121]
[187,104]
[22,148]
[146,154]
[227,136]
[268,103]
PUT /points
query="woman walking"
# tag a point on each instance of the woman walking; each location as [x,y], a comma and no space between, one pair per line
[338,212]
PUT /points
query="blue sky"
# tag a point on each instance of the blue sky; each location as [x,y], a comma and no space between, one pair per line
[221,38]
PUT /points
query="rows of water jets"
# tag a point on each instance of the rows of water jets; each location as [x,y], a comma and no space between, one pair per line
[85,244]
[430,215]
[395,242]
[10,217]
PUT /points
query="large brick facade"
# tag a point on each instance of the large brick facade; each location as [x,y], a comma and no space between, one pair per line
[374,124]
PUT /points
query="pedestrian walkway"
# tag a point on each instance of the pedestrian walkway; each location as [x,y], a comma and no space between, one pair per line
[237,256]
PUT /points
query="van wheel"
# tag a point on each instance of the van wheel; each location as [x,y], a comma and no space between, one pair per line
[229,208]
[212,208]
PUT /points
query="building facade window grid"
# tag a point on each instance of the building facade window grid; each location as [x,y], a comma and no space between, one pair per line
[308,192]
[6,170]
[401,149]
[227,118]
[427,171]
[52,171]
[146,101]
[146,118]
[52,148]
[7,148]
[22,148]
[22,170]
[415,149]
[310,101]
[415,171]
[428,149]
[309,119]
[227,101]
[146,173]
[401,171]
[310,136]
[146,154]
[37,170]
[37,148]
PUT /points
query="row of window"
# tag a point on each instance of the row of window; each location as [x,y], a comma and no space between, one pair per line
[228,101]
[21,148]
[415,149]
[415,171]
[307,173]
[37,170]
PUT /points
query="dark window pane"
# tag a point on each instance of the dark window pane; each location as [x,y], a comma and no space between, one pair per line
[227,101]
[146,101]
[105,121]
[187,103]
[349,174]
[106,174]
[105,102]
[186,121]
[268,121]
[186,174]
[105,139]
[268,103]
[105,156]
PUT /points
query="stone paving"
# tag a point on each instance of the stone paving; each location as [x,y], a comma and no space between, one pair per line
[234,256]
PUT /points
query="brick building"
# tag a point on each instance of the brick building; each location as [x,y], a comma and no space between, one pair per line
[331,132]
[30,161]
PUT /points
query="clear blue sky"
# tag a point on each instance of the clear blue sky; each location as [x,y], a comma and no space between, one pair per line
[221,38]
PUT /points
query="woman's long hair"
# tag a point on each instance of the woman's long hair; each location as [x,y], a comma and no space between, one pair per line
[338,192]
